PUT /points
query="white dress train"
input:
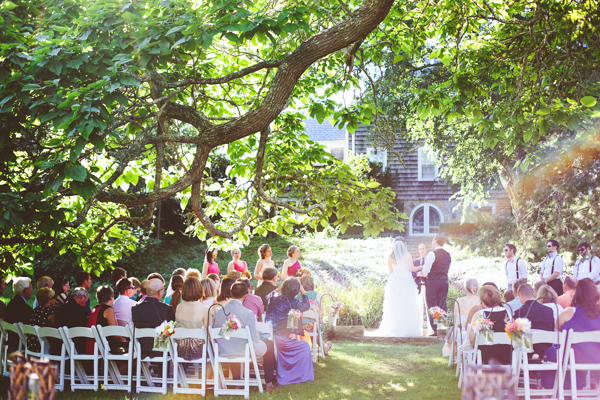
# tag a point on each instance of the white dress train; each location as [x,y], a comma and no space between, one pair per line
[402,307]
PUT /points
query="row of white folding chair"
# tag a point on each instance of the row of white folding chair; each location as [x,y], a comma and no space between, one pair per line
[572,366]
[315,335]
[457,338]
[472,356]
[5,328]
[249,358]
[182,381]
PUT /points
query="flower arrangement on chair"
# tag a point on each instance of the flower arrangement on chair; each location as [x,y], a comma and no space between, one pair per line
[485,326]
[439,315]
[336,307]
[161,337]
[519,331]
[230,326]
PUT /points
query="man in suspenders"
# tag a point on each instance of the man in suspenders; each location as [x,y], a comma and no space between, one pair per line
[552,267]
[514,267]
[588,265]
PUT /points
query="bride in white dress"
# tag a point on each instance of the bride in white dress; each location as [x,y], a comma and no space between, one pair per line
[402,310]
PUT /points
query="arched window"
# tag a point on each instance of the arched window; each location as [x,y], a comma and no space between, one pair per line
[425,219]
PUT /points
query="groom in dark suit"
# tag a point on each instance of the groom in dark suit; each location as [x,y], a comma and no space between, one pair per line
[437,264]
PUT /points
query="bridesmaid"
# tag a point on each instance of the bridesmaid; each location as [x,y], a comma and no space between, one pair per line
[237,264]
[264,260]
[291,265]
[210,266]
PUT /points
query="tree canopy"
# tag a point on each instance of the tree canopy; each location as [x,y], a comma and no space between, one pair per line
[95,95]
[506,94]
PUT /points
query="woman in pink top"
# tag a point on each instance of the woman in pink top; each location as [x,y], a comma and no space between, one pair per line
[264,254]
[291,265]
[237,264]
[210,266]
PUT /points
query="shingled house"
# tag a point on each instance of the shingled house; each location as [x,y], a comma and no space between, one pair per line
[424,196]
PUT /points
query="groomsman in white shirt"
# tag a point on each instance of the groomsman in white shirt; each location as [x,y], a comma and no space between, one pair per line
[552,267]
[588,265]
[515,268]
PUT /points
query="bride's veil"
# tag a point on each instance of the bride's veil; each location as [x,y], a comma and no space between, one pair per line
[400,250]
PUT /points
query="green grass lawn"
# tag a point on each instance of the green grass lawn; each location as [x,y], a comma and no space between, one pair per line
[354,371]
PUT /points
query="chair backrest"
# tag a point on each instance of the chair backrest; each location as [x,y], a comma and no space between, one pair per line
[28,330]
[79,331]
[583,337]
[49,332]
[267,328]
[144,333]
[196,333]
[242,333]
[540,336]
[310,314]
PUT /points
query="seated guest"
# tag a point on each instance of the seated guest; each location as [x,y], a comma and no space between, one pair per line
[176,285]
[225,294]
[2,305]
[178,272]
[253,302]
[216,279]
[17,309]
[474,309]
[537,286]
[314,299]
[44,281]
[123,303]
[142,291]
[156,275]
[547,296]
[137,285]
[508,296]
[84,280]
[61,292]
[235,347]
[490,296]
[150,313]
[465,304]
[565,299]
[42,316]
[73,314]
[208,291]
[540,316]
[294,359]
[515,304]
[235,275]
[104,315]
[191,314]
[582,316]
[115,276]
[194,272]
[269,282]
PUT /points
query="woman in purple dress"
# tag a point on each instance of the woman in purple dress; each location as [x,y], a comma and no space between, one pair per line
[294,359]
[291,265]
[582,316]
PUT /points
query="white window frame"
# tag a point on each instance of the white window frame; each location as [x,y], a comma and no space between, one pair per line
[426,206]
[475,207]
[421,158]
[371,150]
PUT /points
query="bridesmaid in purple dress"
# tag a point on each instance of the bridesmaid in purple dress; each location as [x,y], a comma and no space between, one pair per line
[294,359]
[291,265]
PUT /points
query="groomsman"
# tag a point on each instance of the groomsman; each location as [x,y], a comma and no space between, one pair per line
[552,267]
[514,268]
[588,265]
[437,264]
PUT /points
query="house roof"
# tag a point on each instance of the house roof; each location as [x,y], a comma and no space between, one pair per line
[325,131]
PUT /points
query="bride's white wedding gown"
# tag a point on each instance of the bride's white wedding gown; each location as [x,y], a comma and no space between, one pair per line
[402,307]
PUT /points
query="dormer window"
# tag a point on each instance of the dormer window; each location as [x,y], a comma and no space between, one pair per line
[428,170]
[378,156]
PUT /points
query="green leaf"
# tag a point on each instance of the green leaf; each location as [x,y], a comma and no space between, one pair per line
[176,29]
[543,111]
[76,172]
[373,184]
[528,135]
[588,101]
[129,81]
[84,189]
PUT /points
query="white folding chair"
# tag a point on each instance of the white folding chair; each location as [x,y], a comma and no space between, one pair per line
[315,335]
[459,337]
[113,379]
[264,329]
[143,364]
[522,364]
[473,356]
[45,333]
[81,380]
[249,357]
[591,389]
[27,331]
[6,328]
[181,379]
